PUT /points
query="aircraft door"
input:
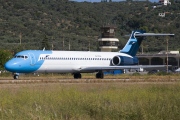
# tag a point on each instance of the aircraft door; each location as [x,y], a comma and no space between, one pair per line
[32,59]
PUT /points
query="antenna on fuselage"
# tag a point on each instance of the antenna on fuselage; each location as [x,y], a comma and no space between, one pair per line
[44,49]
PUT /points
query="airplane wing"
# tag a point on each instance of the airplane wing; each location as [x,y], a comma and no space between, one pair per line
[104,68]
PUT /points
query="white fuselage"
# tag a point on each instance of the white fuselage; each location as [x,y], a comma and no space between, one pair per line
[73,61]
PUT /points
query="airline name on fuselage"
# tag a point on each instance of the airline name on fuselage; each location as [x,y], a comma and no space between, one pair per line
[97,55]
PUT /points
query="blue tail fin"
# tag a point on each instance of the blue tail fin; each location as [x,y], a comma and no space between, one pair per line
[133,44]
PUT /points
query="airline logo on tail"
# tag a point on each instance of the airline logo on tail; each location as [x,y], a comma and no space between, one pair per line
[133,44]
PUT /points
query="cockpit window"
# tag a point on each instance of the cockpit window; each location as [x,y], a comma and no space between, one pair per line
[21,56]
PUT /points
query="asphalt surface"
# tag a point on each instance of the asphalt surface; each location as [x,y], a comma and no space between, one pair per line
[63,80]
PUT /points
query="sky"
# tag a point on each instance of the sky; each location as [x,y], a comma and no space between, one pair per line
[100,0]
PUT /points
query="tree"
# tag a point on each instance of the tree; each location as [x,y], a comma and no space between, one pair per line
[45,43]
[4,57]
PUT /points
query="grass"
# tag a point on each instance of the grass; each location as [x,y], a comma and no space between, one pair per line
[95,101]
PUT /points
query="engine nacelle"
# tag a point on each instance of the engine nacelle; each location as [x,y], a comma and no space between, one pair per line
[116,60]
[124,60]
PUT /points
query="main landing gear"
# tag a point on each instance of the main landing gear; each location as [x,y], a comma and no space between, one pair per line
[100,75]
[77,75]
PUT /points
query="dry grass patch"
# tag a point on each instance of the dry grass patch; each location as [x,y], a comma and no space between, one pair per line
[90,101]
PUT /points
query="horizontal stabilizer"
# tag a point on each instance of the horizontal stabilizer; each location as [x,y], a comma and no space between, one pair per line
[134,42]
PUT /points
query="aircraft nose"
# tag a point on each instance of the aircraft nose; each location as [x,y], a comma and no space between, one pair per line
[10,66]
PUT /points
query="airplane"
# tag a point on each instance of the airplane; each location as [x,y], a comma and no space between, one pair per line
[77,62]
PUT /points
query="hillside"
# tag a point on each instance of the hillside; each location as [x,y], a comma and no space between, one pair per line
[28,24]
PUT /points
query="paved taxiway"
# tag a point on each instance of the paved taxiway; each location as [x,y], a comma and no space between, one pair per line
[140,80]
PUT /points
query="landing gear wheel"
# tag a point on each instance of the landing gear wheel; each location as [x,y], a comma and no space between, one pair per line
[77,76]
[16,76]
[100,75]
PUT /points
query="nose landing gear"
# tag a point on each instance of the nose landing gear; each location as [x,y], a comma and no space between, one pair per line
[16,75]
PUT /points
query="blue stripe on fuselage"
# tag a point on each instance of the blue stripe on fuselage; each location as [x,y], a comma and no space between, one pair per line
[22,65]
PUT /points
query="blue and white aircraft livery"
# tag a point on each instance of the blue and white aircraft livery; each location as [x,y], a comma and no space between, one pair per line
[77,62]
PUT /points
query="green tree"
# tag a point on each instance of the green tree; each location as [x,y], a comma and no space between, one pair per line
[45,43]
[4,57]
[55,18]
